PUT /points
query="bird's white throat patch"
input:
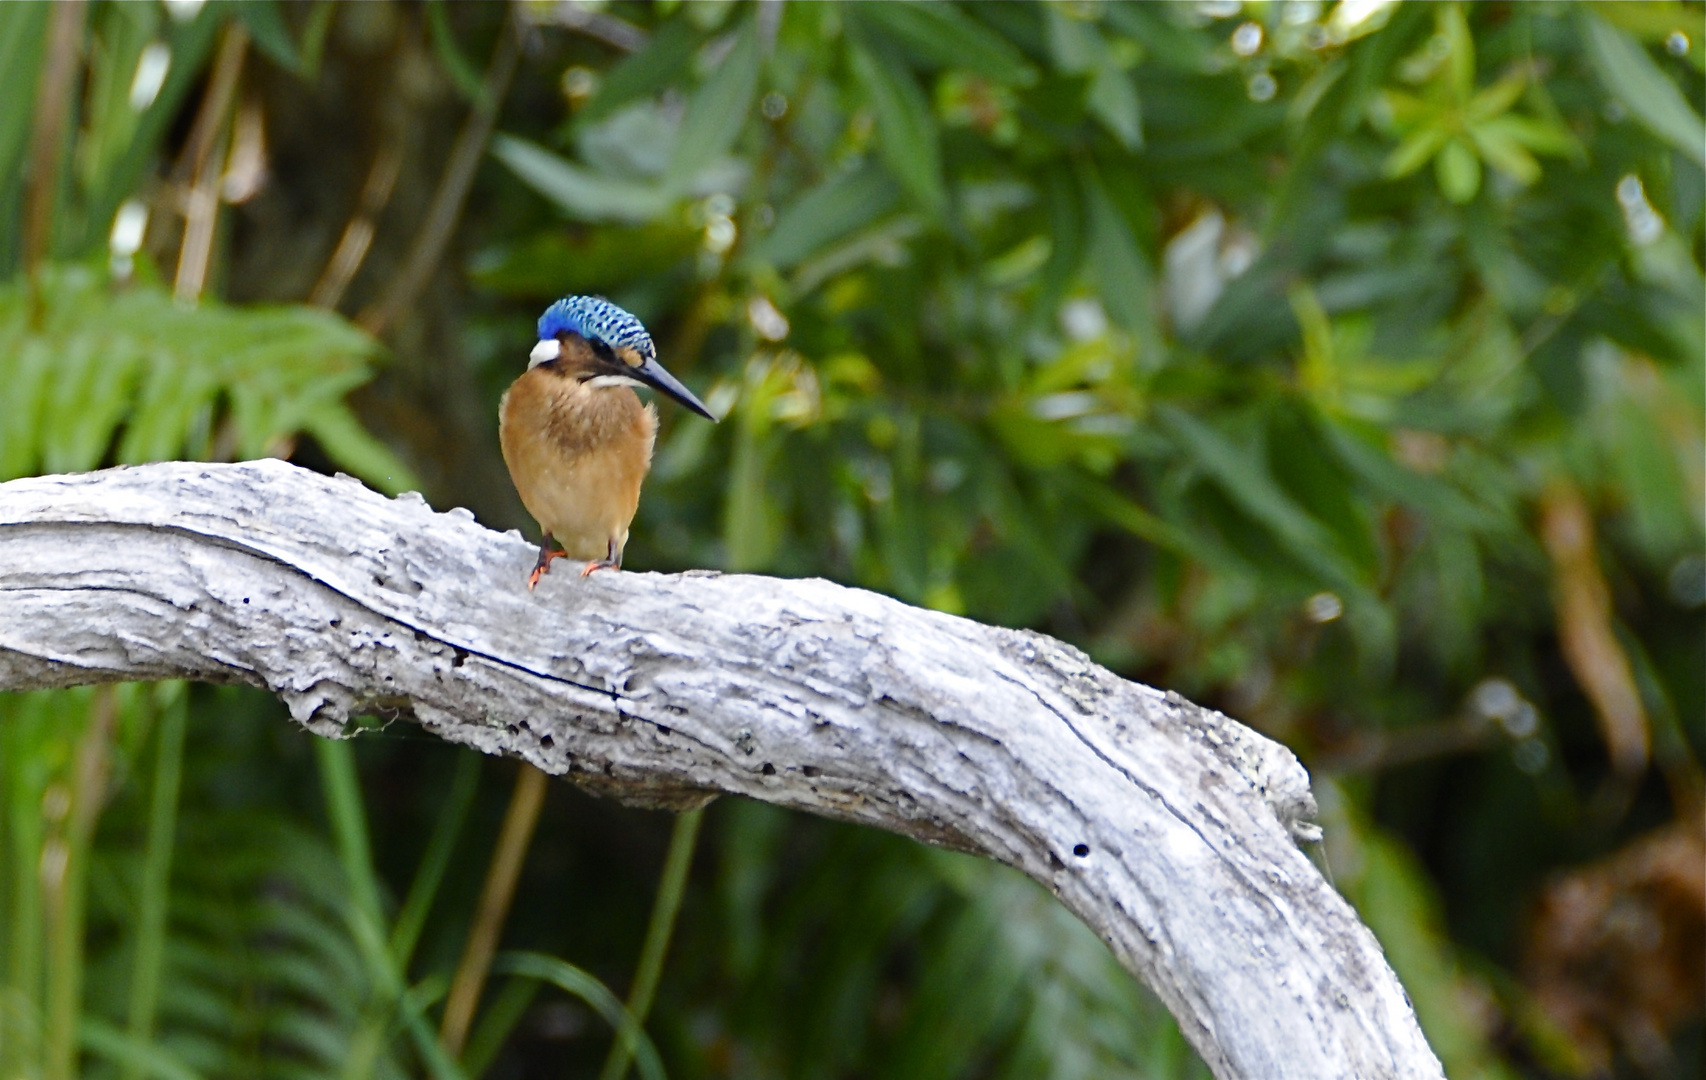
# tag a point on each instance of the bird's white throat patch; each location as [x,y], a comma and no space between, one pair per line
[601,381]
[544,352]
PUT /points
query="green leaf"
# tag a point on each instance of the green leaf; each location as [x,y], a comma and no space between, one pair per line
[717,111]
[429,873]
[579,193]
[666,56]
[1169,43]
[1359,447]
[103,362]
[504,1010]
[1077,47]
[1405,110]
[1458,170]
[1392,892]
[190,44]
[174,395]
[884,242]
[1493,100]
[1505,153]
[966,995]
[135,1056]
[463,74]
[1113,99]
[826,213]
[26,370]
[1651,97]
[1313,91]
[314,32]
[554,262]
[586,986]
[942,34]
[1461,59]
[1067,234]
[1121,271]
[1306,469]
[348,443]
[22,31]
[90,395]
[122,31]
[265,22]
[1244,476]
[1540,136]
[1080,49]
[1121,511]
[752,527]
[1414,151]
[906,132]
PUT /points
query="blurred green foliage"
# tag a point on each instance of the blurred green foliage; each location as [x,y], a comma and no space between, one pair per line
[100,378]
[1341,365]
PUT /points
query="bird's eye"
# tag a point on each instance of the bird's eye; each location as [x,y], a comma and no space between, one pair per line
[602,350]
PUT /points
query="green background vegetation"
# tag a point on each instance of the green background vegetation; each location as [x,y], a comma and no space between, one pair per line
[1340,366]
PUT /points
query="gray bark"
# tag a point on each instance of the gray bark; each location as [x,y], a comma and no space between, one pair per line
[1168,828]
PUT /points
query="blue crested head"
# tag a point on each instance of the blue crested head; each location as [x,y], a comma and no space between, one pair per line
[596,319]
[631,359]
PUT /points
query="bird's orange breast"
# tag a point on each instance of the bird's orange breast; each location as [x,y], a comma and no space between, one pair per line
[578,455]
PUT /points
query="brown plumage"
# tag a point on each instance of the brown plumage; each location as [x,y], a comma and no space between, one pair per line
[578,444]
[577,441]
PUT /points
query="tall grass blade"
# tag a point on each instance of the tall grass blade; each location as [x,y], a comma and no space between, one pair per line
[156,878]
[670,889]
[508,1006]
[21,30]
[430,874]
[136,1057]
[495,897]
[64,868]
[582,984]
[47,139]
[349,828]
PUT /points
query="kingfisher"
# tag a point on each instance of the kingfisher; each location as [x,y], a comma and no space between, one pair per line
[575,436]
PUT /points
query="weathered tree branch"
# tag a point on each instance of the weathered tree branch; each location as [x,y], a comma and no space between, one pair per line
[1168,828]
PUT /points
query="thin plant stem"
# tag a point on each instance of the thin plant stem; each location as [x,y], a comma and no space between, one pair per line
[357,237]
[452,189]
[54,96]
[667,906]
[64,862]
[349,826]
[584,985]
[23,825]
[489,917]
[205,159]
[506,1009]
[349,830]
[376,191]
[430,874]
[156,880]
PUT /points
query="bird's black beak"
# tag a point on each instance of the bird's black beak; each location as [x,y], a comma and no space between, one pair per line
[652,374]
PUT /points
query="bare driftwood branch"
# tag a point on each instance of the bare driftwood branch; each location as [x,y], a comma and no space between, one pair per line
[1168,828]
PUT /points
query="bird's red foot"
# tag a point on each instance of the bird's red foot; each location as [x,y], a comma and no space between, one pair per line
[543,566]
[612,560]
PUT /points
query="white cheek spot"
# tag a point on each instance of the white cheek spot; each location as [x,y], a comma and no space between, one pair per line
[544,352]
[601,381]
